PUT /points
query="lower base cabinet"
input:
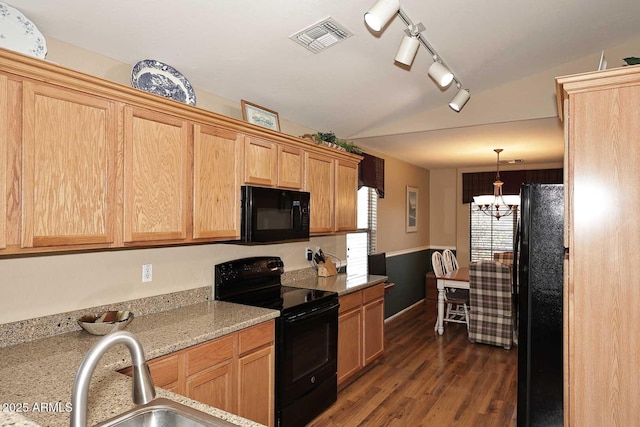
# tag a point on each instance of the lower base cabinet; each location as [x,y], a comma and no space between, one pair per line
[360,330]
[235,373]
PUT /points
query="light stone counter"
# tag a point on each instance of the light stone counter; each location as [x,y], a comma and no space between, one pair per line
[43,371]
[342,283]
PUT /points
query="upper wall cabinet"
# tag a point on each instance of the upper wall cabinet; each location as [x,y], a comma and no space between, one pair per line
[157,177]
[86,163]
[346,195]
[260,162]
[290,166]
[216,183]
[69,156]
[319,181]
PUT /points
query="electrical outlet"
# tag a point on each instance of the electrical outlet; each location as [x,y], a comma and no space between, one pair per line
[147,272]
[308,254]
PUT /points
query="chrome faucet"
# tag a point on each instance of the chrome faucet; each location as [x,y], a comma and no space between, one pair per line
[143,388]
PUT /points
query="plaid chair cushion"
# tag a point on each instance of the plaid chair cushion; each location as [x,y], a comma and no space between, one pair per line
[504,257]
[491,314]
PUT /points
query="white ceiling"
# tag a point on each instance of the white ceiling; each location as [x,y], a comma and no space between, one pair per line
[241,49]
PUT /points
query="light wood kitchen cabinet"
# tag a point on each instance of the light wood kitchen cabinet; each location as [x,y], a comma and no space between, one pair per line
[373,323]
[319,181]
[69,168]
[156,178]
[216,183]
[349,336]
[209,369]
[602,234]
[4,159]
[86,163]
[290,166]
[235,373]
[360,330]
[260,162]
[346,195]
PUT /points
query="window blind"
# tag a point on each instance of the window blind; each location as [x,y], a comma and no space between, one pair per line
[489,235]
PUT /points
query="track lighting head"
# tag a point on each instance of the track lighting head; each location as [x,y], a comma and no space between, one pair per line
[381,13]
[460,99]
[441,74]
[407,50]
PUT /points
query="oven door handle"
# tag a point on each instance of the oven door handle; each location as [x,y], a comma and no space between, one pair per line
[313,313]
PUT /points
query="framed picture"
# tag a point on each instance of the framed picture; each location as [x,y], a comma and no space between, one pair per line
[412,209]
[260,116]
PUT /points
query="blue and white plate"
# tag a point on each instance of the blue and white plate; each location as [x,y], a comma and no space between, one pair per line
[161,79]
[19,34]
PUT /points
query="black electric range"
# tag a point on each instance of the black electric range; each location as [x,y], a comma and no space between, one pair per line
[306,334]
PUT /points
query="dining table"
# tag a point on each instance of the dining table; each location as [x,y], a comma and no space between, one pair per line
[456,279]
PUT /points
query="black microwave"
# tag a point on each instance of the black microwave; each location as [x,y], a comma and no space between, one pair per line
[274,215]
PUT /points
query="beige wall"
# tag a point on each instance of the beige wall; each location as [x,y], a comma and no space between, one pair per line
[43,285]
[101,66]
[392,236]
[442,207]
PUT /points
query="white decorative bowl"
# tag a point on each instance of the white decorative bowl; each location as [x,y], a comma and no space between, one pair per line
[96,324]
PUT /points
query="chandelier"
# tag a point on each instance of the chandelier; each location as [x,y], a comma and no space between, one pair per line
[497,205]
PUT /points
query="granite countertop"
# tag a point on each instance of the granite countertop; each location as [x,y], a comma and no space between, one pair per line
[342,283]
[38,375]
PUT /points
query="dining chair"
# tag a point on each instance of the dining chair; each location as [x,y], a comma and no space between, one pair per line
[450,260]
[456,300]
[491,314]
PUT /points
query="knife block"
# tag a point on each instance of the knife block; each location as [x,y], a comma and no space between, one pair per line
[326,268]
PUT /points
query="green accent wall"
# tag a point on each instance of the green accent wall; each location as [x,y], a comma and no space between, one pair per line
[408,272]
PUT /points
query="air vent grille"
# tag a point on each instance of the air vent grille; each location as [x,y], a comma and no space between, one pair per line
[321,35]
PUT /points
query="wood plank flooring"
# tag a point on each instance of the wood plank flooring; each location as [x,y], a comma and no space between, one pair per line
[429,380]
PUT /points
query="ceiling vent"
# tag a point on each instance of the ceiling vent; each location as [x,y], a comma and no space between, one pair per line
[321,35]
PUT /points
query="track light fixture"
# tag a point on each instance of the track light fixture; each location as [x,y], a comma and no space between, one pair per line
[440,73]
[381,13]
[460,99]
[410,44]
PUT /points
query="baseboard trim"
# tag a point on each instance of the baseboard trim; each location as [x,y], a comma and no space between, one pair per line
[414,306]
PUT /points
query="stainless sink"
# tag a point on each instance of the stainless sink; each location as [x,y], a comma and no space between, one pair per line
[165,413]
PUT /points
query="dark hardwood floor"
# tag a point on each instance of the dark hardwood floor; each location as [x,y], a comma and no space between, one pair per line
[429,380]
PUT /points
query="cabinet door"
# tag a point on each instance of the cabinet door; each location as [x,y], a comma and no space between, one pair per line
[260,162]
[319,181]
[290,162]
[349,343]
[346,195]
[602,356]
[213,386]
[373,330]
[256,385]
[69,168]
[156,180]
[216,183]
[4,158]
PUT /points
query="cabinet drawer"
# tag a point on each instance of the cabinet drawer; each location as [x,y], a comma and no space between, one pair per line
[349,301]
[374,292]
[209,354]
[256,336]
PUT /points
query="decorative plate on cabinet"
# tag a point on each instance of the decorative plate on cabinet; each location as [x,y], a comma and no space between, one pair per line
[161,79]
[19,34]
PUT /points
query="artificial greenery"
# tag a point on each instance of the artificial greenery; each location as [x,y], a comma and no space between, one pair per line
[330,138]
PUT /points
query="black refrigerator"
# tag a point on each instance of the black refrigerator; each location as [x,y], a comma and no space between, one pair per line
[538,275]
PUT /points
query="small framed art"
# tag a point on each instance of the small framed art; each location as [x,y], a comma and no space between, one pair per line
[260,116]
[412,209]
